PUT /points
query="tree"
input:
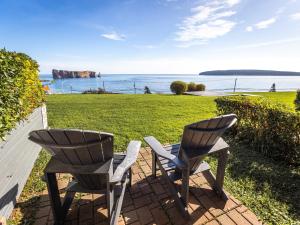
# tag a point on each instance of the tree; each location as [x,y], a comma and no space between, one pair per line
[147,90]
[273,88]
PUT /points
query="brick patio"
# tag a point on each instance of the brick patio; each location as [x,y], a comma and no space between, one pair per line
[149,202]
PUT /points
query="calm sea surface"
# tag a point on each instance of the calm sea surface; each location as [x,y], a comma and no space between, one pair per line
[135,83]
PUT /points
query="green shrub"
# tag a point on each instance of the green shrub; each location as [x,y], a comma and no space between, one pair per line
[20,89]
[297,101]
[178,87]
[270,128]
[191,86]
[200,87]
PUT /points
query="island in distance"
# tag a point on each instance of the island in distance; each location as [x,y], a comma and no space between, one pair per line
[250,73]
[63,74]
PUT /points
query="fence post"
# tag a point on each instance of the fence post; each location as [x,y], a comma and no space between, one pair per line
[234,84]
[134,87]
[103,85]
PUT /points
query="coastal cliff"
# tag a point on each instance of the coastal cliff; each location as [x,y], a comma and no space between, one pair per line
[62,74]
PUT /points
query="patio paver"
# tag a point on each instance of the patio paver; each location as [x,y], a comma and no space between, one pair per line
[148,201]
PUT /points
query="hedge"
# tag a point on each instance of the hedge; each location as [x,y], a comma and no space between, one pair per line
[20,89]
[270,128]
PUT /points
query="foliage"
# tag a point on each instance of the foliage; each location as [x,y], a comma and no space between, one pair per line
[191,86]
[262,184]
[20,89]
[297,100]
[147,90]
[200,87]
[95,91]
[196,87]
[270,128]
[178,87]
[273,88]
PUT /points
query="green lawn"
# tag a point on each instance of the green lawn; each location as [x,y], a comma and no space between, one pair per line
[269,188]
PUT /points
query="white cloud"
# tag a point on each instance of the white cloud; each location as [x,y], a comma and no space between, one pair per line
[295,16]
[114,36]
[267,43]
[265,23]
[249,28]
[208,21]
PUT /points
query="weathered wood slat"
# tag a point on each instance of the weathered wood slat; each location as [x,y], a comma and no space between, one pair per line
[180,161]
[88,156]
[17,159]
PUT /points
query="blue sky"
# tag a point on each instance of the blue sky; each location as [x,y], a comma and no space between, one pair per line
[154,36]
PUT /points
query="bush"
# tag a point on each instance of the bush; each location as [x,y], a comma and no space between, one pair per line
[191,86]
[20,89]
[95,91]
[297,101]
[147,90]
[270,128]
[178,87]
[200,87]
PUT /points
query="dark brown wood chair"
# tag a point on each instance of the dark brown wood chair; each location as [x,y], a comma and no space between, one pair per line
[179,161]
[89,157]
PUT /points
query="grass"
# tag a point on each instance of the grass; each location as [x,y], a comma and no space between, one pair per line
[269,188]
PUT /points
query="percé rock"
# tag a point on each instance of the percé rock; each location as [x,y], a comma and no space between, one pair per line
[62,74]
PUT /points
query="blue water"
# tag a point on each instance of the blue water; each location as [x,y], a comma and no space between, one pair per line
[160,83]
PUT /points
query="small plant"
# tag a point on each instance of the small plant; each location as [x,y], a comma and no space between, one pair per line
[178,87]
[297,100]
[95,91]
[200,87]
[192,86]
[273,88]
[147,90]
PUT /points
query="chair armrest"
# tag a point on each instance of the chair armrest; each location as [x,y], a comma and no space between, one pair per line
[130,158]
[157,147]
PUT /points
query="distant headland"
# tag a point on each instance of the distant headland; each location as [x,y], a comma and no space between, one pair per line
[63,74]
[250,73]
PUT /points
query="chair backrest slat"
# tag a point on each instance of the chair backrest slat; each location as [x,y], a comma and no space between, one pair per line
[202,135]
[77,147]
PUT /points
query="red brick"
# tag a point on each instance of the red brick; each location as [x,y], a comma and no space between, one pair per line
[144,215]
[237,218]
[130,217]
[159,216]
[158,189]
[213,222]
[251,217]
[141,201]
[225,220]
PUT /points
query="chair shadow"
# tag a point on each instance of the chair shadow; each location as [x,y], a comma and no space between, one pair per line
[9,197]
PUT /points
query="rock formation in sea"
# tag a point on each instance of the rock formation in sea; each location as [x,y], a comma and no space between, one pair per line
[62,74]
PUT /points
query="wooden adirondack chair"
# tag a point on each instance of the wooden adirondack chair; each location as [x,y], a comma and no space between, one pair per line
[179,161]
[89,157]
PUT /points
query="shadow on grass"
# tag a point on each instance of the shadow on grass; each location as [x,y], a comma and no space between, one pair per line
[282,180]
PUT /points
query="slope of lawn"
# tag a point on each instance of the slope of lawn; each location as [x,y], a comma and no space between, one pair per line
[268,188]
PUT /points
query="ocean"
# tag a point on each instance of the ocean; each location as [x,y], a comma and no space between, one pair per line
[160,83]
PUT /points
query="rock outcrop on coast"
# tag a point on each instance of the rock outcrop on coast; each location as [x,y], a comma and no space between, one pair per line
[62,74]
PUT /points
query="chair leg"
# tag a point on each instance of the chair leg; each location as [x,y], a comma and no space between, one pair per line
[53,192]
[130,177]
[154,160]
[109,200]
[222,160]
[185,186]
